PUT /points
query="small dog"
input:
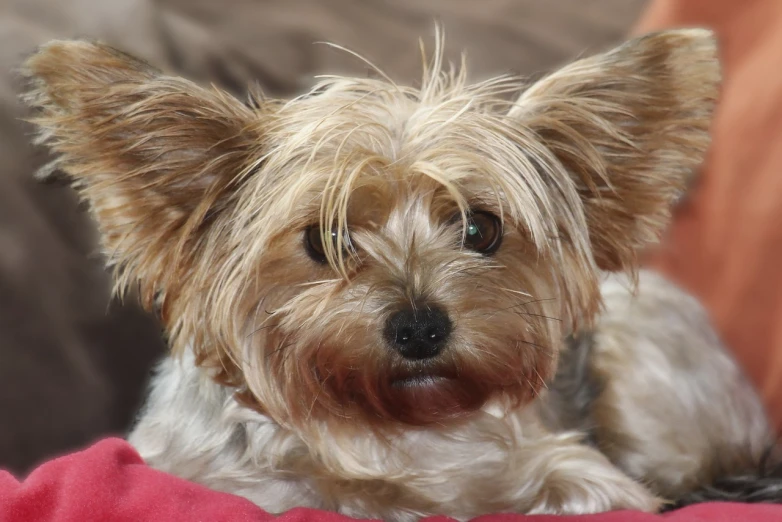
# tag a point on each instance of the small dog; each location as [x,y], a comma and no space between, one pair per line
[393,302]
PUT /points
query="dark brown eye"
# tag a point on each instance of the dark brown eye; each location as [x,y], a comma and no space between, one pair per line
[313,243]
[484,233]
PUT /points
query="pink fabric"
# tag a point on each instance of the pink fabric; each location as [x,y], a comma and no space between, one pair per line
[109,481]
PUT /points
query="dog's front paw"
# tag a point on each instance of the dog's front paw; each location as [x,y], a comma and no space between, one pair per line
[625,494]
[605,489]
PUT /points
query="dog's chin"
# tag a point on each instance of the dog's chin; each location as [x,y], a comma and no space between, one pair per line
[390,392]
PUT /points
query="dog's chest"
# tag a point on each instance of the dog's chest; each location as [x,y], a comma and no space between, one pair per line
[192,428]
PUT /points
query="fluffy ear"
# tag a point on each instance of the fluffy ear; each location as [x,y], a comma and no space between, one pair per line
[156,157]
[630,126]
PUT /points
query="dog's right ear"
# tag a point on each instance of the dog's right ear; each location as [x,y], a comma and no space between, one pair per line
[156,157]
[631,127]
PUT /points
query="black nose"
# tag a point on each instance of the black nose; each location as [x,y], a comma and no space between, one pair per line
[418,334]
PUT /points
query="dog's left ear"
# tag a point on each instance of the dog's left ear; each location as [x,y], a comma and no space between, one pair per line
[630,126]
[156,157]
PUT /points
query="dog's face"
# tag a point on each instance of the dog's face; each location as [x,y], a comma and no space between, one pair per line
[370,254]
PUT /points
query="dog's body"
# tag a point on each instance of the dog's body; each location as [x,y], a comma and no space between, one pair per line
[368,288]
[655,420]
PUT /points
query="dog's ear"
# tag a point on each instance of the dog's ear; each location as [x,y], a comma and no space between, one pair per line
[631,126]
[156,157]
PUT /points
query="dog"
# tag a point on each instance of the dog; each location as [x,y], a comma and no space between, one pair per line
[394,302]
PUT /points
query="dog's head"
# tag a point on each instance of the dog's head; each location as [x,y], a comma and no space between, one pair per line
[370,253]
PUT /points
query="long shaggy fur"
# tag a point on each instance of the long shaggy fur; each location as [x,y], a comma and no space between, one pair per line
[281,386]
[762,485]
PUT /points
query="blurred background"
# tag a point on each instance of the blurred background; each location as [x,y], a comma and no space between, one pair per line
[74,364]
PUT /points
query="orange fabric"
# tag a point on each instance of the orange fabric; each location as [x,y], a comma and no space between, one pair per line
[725,244]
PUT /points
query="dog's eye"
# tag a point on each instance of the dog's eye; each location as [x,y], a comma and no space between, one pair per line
[313,243]
[484,233]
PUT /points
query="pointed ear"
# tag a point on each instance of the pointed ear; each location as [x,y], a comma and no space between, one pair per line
[630,126]
[156,157]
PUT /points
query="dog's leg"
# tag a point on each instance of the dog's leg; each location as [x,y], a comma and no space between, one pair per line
[574,478]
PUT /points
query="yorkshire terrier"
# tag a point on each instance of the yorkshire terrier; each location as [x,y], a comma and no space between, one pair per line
[393,302]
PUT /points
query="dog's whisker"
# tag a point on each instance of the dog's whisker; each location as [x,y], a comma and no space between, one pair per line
[520,292]
[320,282]
[541,349]
[315,399]
[527,303]
[533,389]
[486,352]
[475,268]
[277,350]
[262,328]
[494,313]
[542,381]
[529,314]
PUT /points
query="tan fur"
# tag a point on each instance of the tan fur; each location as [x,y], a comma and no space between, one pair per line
[203,201]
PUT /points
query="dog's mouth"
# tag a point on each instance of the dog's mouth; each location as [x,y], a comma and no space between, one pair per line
[423,376]
[419,381]
[422,394]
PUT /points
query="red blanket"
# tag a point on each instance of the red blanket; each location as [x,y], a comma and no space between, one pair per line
[110,482]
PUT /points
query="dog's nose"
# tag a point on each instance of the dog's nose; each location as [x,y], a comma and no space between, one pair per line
[418,334]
